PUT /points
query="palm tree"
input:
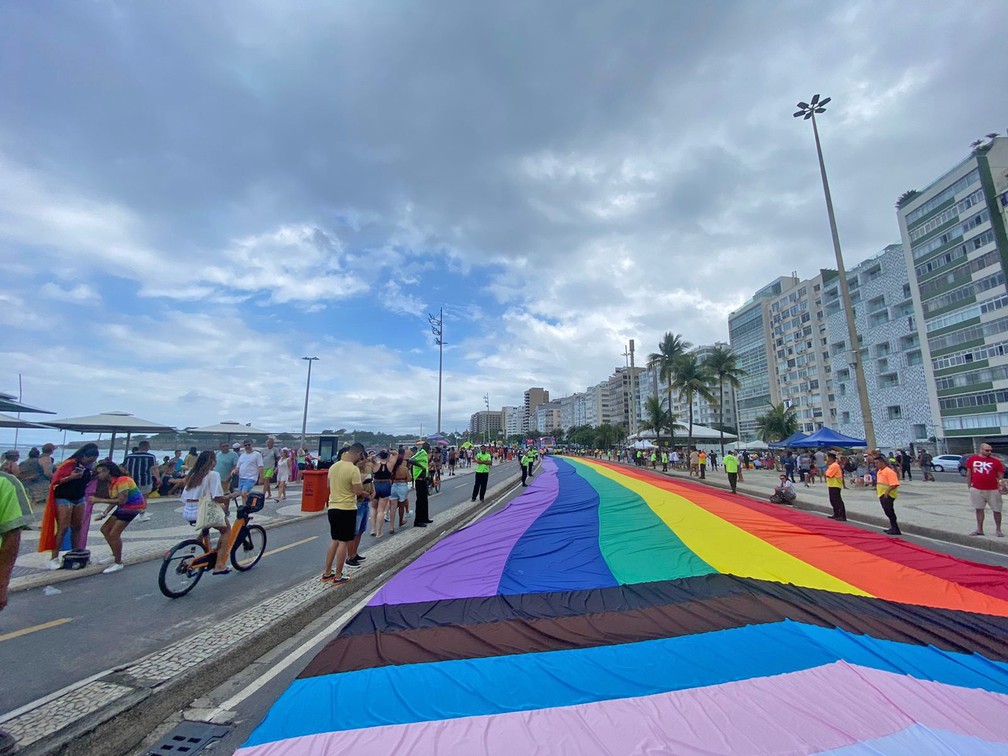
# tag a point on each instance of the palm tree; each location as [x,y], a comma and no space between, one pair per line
[655,418]
[778,423]
[693,379]
[723,363]
[670,349]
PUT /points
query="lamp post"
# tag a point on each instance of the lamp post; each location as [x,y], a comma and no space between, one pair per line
[437,328]
[304,419]
[808,111]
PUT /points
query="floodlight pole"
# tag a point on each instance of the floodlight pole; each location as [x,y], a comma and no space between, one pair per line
[304,419]
[808,112]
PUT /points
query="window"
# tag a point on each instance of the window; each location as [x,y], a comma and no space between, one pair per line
[889,380]
[845,417]
[959,186]
[914,358]
[894,412]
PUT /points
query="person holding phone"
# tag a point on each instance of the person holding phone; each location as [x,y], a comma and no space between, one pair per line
[65,505]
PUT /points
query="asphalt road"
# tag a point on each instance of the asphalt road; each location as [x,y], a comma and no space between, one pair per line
[101,622]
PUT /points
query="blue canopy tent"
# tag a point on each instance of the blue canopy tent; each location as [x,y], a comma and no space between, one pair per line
[828,437]
[791,440]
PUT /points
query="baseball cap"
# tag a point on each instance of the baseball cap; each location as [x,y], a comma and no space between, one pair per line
[236,445]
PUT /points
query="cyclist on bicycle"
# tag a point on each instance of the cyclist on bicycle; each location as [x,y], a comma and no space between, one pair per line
[202,479]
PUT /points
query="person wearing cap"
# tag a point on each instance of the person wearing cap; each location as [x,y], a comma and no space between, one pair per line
[483,462]
[784,492]
[227,465]
[419,463]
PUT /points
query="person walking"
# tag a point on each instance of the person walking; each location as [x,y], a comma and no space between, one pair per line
[834,484]
[400,490]
[270,457]
[382,477]
[226,466]
[887,487]
[125,501]
[985,481]
[345,488]
[250,468]
[283,473]
[731,467]
[419,463]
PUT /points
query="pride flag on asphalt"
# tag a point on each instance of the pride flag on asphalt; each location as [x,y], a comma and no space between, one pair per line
[613,610]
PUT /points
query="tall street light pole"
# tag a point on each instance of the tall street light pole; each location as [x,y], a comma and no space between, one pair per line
[437,328]
[304,419]
[808,111]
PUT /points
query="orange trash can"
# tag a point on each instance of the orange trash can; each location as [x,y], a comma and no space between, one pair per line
[314,490]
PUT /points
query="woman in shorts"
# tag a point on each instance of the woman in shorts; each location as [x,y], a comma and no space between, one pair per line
[127,501]
[382,478]
[65,505]
[204,479]
[283,474]
[400,488]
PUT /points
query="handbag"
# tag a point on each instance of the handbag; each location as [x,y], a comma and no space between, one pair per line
[210,514]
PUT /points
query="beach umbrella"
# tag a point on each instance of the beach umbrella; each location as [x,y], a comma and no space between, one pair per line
[228,428]
[10,403]
[111,422]
[7,421]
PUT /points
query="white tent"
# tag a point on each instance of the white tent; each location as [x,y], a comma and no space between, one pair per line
[701,433]
[227,428]
[644,444]
[751,446]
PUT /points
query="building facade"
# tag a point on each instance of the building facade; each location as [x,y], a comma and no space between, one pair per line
[511,420]
[750,339]
[532,399]
[890,347]
[547,418]
[955,248]
[486,425]
[704,412]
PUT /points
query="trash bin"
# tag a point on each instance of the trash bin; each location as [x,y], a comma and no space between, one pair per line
[314,490]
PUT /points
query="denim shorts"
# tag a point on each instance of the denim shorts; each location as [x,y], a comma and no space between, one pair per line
[68,502]
[400,491]
[383,489]
[362,515]
[246,484]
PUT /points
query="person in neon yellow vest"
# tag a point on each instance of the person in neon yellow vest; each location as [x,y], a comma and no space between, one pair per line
[419,462]
[483,462]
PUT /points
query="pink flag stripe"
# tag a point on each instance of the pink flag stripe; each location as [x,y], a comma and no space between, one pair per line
[819,709]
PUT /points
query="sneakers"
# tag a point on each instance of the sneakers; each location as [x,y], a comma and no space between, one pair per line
[353,561]
[340,580]
[143,517]
[54,564]
[114,568]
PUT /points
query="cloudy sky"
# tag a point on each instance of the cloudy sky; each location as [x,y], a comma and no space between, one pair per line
[194,195]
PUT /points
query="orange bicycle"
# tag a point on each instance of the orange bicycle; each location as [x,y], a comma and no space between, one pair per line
[185,563]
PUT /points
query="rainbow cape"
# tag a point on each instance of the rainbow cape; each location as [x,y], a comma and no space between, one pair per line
[613,610]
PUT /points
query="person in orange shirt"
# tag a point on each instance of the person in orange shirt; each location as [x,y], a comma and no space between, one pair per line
[886,486]
[702,459]
[834,483]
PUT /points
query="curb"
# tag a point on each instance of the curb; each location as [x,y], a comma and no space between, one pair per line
[148,691]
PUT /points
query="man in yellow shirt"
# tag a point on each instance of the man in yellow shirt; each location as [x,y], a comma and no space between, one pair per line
[344,488]
[886,486]
[483,461]
[835,482]
[702,459]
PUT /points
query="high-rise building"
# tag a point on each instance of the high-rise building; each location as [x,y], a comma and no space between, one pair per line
[486,425]
[533,398]
[750,338]
[800,360]
[622,387]
[956,249]
[890,347]
[512,417]
[547,418]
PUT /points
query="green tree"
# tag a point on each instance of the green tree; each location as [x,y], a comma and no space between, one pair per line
[655,417]
[607,435]
[777,424]
[670,349]
[693,379]
[723,363]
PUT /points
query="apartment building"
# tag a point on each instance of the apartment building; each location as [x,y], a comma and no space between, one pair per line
[511,420]
[704,412]
[955,248]
[750,338]
[486,425]
[532,399]
[623,387]
[890,349]
[547,417]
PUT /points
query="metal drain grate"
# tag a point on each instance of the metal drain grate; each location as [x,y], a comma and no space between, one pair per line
[188,738]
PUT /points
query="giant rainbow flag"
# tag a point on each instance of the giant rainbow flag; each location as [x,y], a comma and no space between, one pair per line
[613,610]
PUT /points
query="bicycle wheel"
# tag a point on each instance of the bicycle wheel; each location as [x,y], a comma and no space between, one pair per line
[176,578]
[249,548]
